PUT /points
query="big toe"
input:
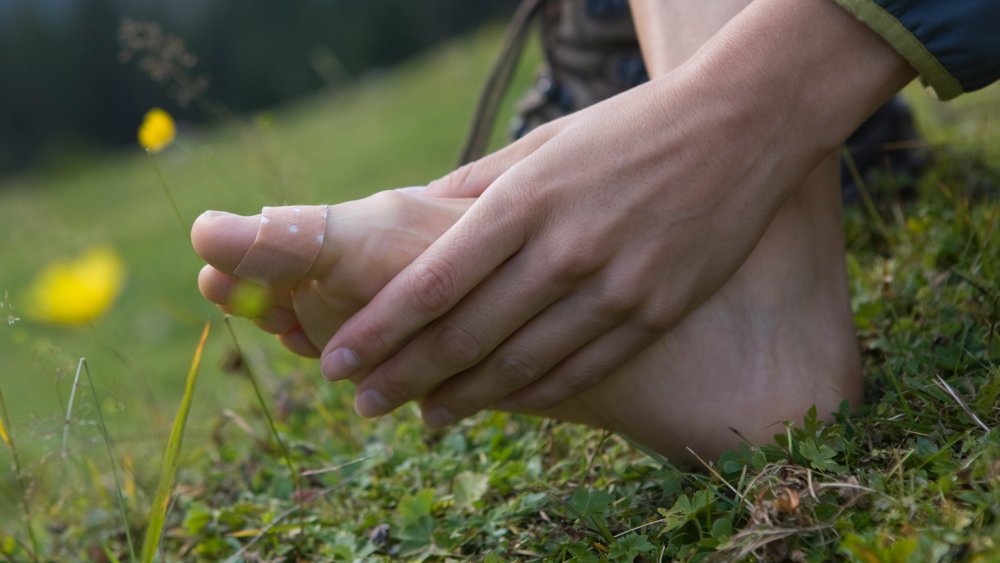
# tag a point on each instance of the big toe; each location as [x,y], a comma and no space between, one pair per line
[277,248]
[223,239]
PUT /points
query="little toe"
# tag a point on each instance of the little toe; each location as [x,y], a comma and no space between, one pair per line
[299,343]
[277,320]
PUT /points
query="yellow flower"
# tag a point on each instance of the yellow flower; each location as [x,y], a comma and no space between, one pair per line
[157,130]
[3,433]
[75,292]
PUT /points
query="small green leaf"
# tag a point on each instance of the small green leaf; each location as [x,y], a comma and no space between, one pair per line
[722,529]
[413,508]
[197,517]
[629,547]
[587,503]
[820,457]
[468,488]
[417,534]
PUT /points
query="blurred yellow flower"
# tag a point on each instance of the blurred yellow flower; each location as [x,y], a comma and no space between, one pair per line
[157,130]
[75,292]
[3,433]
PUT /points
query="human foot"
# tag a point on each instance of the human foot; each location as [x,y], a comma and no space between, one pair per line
[774,340]
[310,292]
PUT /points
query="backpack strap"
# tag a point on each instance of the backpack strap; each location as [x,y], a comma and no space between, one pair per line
[498,80]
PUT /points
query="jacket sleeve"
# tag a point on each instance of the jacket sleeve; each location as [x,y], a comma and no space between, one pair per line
[953,44]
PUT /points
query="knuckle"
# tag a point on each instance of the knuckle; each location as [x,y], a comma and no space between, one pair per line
[454,180]
[613,304]
[577,380]
[461,175]
[397,388]
[456,347]
[655,322]
[433,286]
[572,265]
[369,341]
[516,371]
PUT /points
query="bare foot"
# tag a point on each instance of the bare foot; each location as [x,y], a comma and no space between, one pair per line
[774,340]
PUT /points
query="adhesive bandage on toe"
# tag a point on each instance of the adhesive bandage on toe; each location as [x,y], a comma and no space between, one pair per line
[287,244]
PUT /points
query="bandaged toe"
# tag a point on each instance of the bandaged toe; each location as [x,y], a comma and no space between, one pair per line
[288,241]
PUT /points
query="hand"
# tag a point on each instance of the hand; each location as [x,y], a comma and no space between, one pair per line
[595,234]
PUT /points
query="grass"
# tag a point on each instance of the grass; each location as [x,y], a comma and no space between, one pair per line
[913,476]
[171,460]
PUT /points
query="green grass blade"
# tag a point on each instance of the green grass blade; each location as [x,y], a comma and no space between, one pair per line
[158,512]
[69,406]
[296,480]
[185,226]
[111,455]
[8,439]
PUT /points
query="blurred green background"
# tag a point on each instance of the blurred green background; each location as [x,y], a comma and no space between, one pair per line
[71,85]
[325,143]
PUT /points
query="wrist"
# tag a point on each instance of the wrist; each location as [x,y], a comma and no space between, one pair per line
[803,69]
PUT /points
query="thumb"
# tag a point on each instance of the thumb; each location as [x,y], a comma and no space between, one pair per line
[472,179]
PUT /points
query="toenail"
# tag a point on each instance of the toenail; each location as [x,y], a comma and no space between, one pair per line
[340,364]
[438,417]
[371,403]
[212,214]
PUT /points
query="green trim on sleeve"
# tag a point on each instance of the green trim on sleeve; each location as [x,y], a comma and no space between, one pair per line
[932,72]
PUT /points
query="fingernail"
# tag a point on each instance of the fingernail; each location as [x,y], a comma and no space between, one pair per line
[438,417]
[212,214]
[340,364]
[371,403]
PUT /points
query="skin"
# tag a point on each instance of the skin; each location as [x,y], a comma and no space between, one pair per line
[670,32]
[595,235]
[775,339]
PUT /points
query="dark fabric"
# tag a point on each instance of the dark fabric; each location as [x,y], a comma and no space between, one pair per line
[963,35]
[592,53]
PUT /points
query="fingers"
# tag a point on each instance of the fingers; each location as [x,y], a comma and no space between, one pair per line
[429,287]
[472,179]
[462,339]
[584,369]
[532,352]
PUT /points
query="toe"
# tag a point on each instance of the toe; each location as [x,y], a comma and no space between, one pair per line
[299,343]
[277,248]
[278,320]
[216,286]
[223,239]
[222,289]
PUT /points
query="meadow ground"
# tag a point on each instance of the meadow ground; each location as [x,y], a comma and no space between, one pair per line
[913,476]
